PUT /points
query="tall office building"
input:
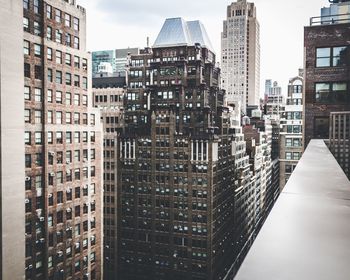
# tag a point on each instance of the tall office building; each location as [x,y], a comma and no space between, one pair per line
[12,240]
[327,78]
[240,55]
[109,98]
[291,138]
[176,164]
[63,145]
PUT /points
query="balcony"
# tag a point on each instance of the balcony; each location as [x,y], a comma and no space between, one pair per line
[330,19]
[307,234]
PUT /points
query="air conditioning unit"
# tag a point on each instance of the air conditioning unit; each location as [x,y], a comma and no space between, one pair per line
[26,200]
[52,174]
[68,161]
[51,153]
[42,219]
[27,178]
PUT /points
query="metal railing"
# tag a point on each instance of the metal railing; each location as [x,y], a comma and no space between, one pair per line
[339,139]
[330,19]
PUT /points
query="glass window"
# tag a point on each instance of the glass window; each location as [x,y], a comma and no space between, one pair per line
[49,33]
[332,57]
[27,115]
[340,56]
[49,75]
[76,24]
[58,117]
[68,59]
[58,15]
[49,53]
[68,39]
[26,4]
[38,137]
[59,57]
[58,77]
[76,43]
[26,47]
[67,20]
[27,93]
[27,138]
[68,118]
[68,98]
[37,6]
[27,70]
[76,99]
[59,97]
[49,117]
[68,79]
[26,24]
[37,28]
[321,130]
[37,50]
[38,117]
[58,36]
[323,57]
[48,11]
[38,95]
[76,61]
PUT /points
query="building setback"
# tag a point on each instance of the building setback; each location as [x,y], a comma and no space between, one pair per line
[326,64]
[176,164]
[240,55]
[63,146]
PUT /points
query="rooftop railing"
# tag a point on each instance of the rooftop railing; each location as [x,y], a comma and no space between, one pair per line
[330,19]
[307,234]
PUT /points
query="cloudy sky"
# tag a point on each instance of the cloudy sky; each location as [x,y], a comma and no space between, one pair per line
[127,23]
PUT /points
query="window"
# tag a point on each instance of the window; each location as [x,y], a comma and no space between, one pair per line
[38,96]
[58,36]
[76,80]
[85,83]
[38,73]
[332,57]
[85,100]
[59,97]
[38,138]
[69,137]
[331,92]
[76,43]
[28,160]
[59,137]
[37,50]
[50,138]
[58,77]
[26,47]
[76,62]
[27,115]
[48,11]
[37,28]
[36,6]
[38,117]
[76,24]
[49,96]
[49,75]
[77,155]
[67,20]
[76,118]
[49,117]
[68,79]
[49,33]
[49,54]
[77,137]
[27,93]
[68,98]
[27,70]
[26,24]
[26,4]
[92,119]
[27,138]
[68,59]
[76,99]
[68,40]
[68,118]
[58,15]
[85,64]
[58,57]
[58,117]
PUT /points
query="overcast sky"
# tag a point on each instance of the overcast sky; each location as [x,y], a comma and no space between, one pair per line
[127,23]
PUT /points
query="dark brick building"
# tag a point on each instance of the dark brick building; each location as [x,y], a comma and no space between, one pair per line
[176,164]
[63,146]
[327,73]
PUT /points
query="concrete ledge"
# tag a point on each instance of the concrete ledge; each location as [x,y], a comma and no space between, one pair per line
[307,234]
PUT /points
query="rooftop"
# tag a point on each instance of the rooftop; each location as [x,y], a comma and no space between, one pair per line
[307,234]
[178,32]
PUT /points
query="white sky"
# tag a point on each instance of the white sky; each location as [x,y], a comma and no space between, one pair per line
[116,24]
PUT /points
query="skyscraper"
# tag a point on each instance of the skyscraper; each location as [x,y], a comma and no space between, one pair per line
[63,145]
[176,164]
[240,55]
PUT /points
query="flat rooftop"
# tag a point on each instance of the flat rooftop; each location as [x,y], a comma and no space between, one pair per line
[307,234]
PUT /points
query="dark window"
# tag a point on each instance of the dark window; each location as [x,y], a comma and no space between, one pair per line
[321,128]
[331,92]
[27,70]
